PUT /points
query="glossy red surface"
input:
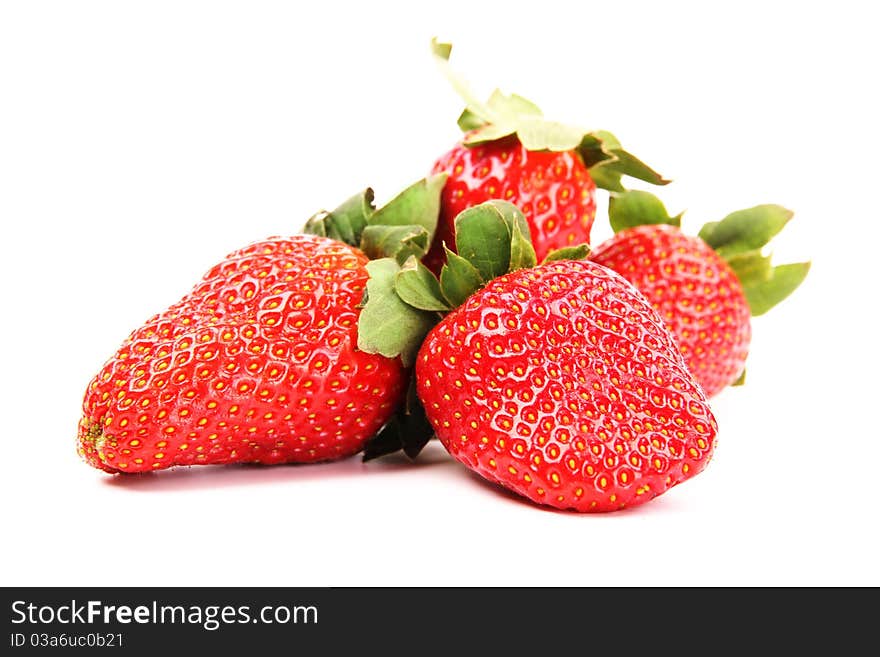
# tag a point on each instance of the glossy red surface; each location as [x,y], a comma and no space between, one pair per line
[554,191]
[696,293]
[562,384]
[258,363]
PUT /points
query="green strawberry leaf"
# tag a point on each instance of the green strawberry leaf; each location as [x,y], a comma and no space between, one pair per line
[632,208]
[512,107]
[595,150]
[609,162]
[751,267]
[468,121]
[417,204]
[488,132]
[522,253]
[629,165]
[741,381]
[387,325]
[441,52]
[402,227]
[537,134]
[398,242]
[418,287]
[505,114]
[408,430]
[745,230]
[607,178]
[482,237]
[459,279]
[579,252]
[782,281]
[345,223]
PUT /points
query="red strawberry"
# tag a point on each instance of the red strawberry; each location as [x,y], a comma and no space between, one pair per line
[553,189]
[696,293]
[549,170]
[267,359]
[560,382]
[700,294]
[258,363]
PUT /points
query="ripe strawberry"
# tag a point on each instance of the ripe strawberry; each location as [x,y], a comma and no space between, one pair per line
[705,299]
[559,382]
[258,363]
[266,360]
[549,170]
[553,189]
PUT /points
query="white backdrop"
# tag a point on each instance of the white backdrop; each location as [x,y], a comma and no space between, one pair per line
[141,142]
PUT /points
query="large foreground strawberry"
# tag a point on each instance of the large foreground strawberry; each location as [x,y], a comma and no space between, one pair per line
[558,381]
[706,288]
[548,170]
[263,360]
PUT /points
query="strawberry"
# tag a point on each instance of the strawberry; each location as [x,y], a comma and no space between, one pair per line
[264,360]
[549,170]
[705,288]
[558,381]
[554,190]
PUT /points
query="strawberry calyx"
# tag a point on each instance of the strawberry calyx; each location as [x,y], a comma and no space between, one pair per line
[503,115]
[739,238]
[401,228]
[404,302]
[408,429]
[398,232]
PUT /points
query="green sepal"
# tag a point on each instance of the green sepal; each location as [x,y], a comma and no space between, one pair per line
[488,132]
[441,50]
[402,303]
[418,204]
[346,223]
[387,325]
[506,114]
[781,282]
[494,237]
[402,227]
[458,279]
[609,162]
[512,108]
[741,379]
[739,238]
[408,429]
[468,121]
[751,267]
[541,135]
[632,208]
[745,230]
[522,253]
[482,237]
[398,242]
[478,111]
[579,252]
[418,287]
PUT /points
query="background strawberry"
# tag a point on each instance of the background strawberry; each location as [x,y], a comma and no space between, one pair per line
[263,361]
[705,295]
[548,170]
[559,382]
[553,189]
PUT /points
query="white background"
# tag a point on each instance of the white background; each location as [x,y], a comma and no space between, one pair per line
[141,142]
